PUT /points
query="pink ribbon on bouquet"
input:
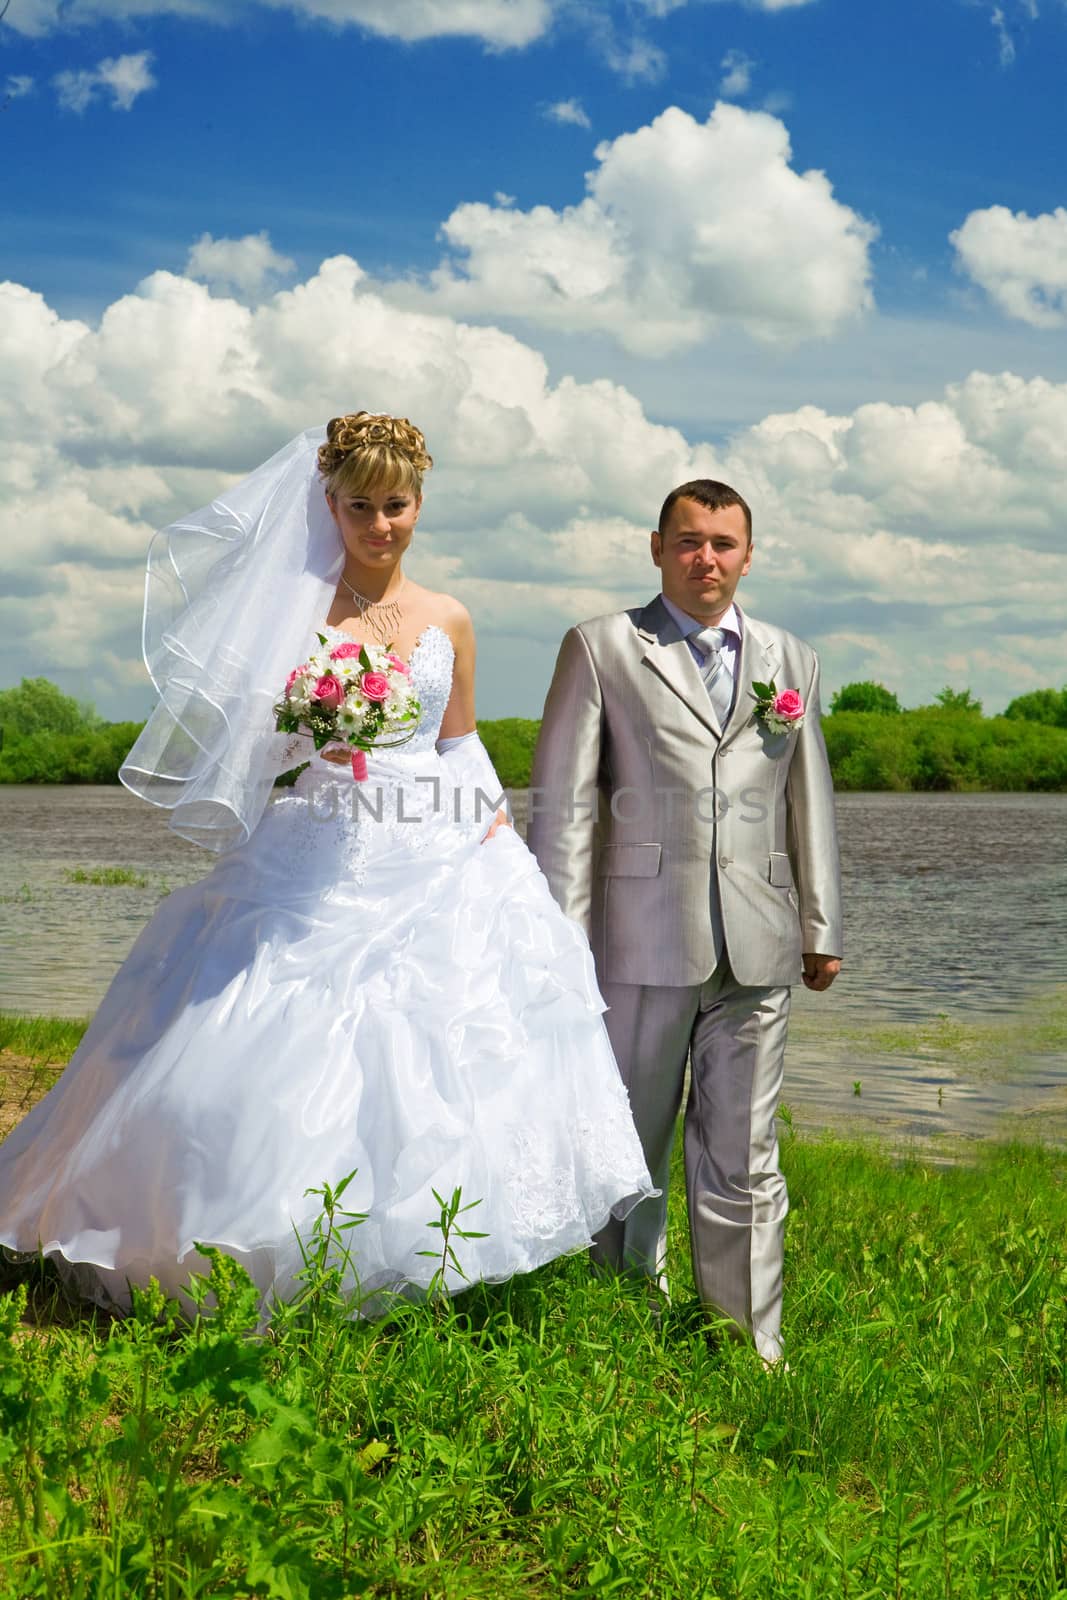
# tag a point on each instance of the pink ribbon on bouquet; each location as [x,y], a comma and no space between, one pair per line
[359,766]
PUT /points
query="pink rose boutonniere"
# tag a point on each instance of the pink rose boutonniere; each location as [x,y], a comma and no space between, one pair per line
[780,712]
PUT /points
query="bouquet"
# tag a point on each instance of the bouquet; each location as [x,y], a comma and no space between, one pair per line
[354,694]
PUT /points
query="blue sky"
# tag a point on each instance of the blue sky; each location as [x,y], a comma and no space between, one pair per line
[595,253]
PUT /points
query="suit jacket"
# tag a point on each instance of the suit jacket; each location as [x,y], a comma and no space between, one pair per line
[651,822]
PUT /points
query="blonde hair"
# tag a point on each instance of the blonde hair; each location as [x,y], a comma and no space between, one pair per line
[364,451]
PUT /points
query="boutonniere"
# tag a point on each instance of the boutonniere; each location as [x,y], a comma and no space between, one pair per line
[779,713]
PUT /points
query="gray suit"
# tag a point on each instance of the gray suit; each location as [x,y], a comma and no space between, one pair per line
[701,862]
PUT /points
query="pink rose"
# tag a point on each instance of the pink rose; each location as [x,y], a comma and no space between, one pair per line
[345,652]
[401,666]
[789,704]
[291,679]
[374,686]
[328,691]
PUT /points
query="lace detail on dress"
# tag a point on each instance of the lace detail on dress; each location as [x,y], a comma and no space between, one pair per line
[543,1190]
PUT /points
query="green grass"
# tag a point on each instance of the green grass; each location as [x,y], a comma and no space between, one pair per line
[33,1053]
[107,877]
[44,1039]
[547,1438]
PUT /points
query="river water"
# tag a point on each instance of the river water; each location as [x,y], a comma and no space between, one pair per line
[949,1019]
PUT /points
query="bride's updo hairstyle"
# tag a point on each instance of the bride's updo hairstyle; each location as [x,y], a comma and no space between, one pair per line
[364,452]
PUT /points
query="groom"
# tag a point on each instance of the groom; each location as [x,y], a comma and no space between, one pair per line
[683,814]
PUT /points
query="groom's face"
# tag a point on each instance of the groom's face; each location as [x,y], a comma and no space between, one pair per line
[702,556]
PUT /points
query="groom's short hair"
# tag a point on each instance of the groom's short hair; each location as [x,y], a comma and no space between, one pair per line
[706,492]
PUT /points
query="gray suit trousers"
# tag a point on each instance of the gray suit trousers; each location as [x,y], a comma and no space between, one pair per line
[734,1037]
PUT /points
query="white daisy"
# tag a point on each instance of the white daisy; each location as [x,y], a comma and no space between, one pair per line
[352,714]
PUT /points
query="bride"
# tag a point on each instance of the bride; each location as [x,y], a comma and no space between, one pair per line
[374,976]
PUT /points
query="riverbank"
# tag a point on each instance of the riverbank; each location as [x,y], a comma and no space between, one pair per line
[549,1437]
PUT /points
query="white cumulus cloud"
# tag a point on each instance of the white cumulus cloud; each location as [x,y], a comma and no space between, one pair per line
[115,428]
[926,539]
[736,74]
[1020,261]
[17,86]
[623,47]
[773,5]
[501,24]
[684,225]
[250,264]
[121,78]
[663,8]
[568,111]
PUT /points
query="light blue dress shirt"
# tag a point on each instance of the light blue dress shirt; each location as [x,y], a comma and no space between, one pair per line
[729,622]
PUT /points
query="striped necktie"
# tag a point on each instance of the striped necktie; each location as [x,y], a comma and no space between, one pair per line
[717,680]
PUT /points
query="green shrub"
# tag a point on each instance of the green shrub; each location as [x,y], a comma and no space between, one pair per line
[866,696]
[1041,705]
[934,749]
[946,746]
[510,742]
[955,700]
[88,755]
[961,751]
[869,750]
[37,706]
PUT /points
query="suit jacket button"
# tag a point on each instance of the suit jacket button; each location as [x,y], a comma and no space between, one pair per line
[724,861]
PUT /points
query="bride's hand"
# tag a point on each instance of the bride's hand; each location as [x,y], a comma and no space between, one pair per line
[499,821]
[339,755]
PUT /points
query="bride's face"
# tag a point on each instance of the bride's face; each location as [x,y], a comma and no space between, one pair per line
[377,526]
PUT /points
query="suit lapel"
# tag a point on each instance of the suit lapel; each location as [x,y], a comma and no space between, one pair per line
[666,653]
[759,660]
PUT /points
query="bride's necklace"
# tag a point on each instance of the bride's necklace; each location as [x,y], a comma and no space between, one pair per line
[382,617]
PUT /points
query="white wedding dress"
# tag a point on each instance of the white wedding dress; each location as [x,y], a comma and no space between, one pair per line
[394,998]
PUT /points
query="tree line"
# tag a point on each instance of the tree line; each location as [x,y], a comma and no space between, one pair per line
[47,736]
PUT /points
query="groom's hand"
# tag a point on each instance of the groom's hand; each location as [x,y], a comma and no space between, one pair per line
[820,971]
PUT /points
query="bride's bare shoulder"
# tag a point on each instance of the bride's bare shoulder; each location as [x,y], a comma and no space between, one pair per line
[448,613]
